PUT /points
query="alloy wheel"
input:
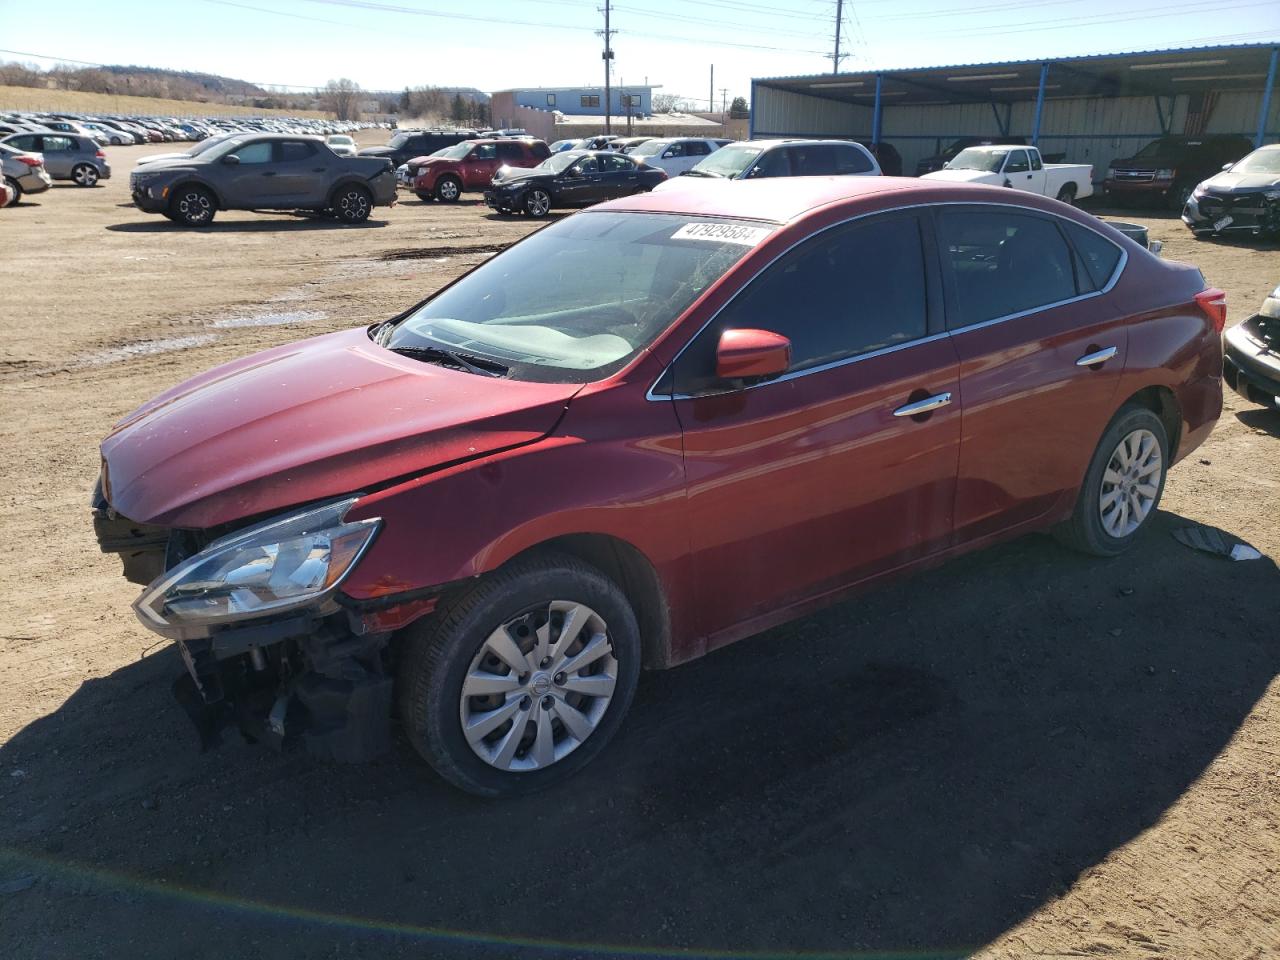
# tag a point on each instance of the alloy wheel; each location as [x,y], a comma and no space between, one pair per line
[538,203]
[354,205]
[1130,483]
[195,207]
[85,175]
[448,190]
[538,687]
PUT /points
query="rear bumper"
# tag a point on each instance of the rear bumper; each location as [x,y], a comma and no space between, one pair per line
[36,181]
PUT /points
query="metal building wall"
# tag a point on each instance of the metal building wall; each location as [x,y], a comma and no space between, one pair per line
[786,114]
[1090,130]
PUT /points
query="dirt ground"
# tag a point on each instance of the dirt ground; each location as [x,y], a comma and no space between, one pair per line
[1023,753]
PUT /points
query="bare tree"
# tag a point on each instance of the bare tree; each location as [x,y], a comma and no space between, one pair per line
[343,98]
[665,102]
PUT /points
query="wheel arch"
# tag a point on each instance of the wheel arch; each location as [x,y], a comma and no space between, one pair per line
[633,573]
[1161,401]
[197,182]
[347,181]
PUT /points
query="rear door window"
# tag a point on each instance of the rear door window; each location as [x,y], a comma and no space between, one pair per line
[292,151]
[1002,263]
[862,287]
[850,160]
[1097,255]
[812,161]
[510,152]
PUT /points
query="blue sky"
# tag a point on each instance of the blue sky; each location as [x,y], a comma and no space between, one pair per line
[389,44]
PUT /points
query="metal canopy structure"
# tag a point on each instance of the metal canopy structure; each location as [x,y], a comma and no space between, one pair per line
[1161,74]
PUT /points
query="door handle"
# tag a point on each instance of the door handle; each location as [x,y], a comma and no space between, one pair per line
[1097,357]
[926,405]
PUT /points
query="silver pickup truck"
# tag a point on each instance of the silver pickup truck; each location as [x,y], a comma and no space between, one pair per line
[264,172]
[1020,168]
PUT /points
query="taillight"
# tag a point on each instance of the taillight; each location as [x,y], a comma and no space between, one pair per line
[100,155]
[1214,304]
[30,161]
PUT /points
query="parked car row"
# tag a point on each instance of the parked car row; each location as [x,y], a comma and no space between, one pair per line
[124,130]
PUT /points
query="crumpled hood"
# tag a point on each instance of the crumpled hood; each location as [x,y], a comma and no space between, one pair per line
[1229,181]
[516,174]
[315,419]
[963,176]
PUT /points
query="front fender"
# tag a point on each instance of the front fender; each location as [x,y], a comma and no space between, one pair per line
[613,467]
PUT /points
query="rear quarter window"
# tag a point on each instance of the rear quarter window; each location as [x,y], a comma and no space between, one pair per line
[1098,256]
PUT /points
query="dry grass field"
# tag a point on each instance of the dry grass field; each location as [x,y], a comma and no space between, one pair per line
[1025,753]
[39,99]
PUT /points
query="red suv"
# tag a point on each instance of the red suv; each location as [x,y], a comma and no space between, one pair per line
[639,434]
[471,165]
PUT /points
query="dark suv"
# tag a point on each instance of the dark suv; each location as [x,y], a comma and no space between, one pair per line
[1168,169]
[264,172]
[407,144]
[470,165]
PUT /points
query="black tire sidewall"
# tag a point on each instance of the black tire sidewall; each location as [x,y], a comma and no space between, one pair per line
[182,218]
[528,197]
[1126,421]
[343,215]
[433,695]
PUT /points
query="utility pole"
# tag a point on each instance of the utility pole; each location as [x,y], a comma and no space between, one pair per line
[711,98]
[607,56]
[835,57]
[724,101]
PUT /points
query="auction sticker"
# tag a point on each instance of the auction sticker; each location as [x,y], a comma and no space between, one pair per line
[722,233]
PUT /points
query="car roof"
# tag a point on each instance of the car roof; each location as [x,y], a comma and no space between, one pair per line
[784,199]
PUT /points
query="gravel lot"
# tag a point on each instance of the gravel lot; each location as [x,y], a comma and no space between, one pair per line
[1023,753]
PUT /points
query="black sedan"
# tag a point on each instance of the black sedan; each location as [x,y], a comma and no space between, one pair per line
[574,178]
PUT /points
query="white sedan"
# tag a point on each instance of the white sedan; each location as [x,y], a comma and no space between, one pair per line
[341,144]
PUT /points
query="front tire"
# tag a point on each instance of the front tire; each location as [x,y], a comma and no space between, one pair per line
[448,190]
[352,204]
[17,191]
[84,175]
[193,206]
[1122,486]
[537,203]
[519,683]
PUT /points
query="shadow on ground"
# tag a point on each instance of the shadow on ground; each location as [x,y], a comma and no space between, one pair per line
[264,225]
[912,772]
[1261,418]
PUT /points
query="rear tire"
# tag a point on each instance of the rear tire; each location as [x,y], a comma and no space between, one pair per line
[352,204]
[424,196]
[1122,487]
[84,175]
[193,206]
[1067,194]
[534,721]
[1178,196]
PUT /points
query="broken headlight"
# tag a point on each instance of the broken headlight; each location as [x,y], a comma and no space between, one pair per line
[271,567]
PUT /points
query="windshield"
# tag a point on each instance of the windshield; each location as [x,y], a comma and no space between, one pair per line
[226,146]
[976,158]
[728,161]
[398,141]
[346,141]
[1260,161]
[650,148]
[458,151]
[580,298]
[1164,147]
[558,161]
[208,144]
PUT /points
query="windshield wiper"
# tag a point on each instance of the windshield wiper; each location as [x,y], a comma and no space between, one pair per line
[702,173]
[462,361]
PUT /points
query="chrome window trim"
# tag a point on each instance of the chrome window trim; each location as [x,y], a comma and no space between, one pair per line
[1115,278]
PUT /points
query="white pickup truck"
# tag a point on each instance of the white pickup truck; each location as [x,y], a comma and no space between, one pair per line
[1020,168]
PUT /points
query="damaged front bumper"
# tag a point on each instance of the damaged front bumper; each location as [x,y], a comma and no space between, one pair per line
[316,674]
[1255,212]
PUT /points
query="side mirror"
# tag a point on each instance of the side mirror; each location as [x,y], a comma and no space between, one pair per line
[1227,166]
[231,160]
[751,354]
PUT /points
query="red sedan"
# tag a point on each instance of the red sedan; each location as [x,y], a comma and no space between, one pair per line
[642,433]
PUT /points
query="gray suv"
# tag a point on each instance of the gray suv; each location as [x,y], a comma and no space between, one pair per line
[67,156]
[264,172]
